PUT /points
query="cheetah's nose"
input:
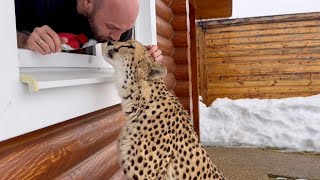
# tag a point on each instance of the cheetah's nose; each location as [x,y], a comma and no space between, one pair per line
[109,43]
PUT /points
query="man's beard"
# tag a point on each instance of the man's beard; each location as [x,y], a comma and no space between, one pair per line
[94,28]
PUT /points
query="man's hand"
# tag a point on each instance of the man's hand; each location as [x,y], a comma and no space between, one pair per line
[42,40]
[155,52]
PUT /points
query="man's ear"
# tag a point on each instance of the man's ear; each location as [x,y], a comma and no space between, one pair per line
[156,71]
[88,5]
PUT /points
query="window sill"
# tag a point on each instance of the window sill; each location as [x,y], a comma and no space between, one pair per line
[44,79]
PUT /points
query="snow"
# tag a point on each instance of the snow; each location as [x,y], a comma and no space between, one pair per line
[289,123]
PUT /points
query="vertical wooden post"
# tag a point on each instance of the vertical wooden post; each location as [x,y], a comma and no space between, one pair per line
[194,69]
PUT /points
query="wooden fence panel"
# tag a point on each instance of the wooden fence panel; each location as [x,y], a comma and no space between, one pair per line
[263,57]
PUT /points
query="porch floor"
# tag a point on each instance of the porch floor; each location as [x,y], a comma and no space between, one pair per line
[257,164]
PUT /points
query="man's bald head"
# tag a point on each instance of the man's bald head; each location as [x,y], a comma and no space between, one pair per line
[109,18]
[124,11]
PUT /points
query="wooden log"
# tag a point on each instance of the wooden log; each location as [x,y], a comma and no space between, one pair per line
[263,39]
[181,72]
[180,55]
[179,7]
[167,2]
[256,68]
[179,22]
[172,92]
[169,81]
[102,165]
[169,63]
[164,29]
[163,11]
[185,102]
[208,9]
[180,39]
[263,32]
[264,83]
[262,25]
[165,45]
[182,88]
[274,58]
[255,46]
[265,20]
[256,90]
[260,95]
[278,77]
[261,52]
[51,151]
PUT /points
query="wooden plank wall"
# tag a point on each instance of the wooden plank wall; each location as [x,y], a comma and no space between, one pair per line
[264,57]
[82,148]
[172,40]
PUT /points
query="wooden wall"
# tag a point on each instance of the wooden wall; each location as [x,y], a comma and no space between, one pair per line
[173,35]
[172,40]
[209,9]
[264,57]
[82,148]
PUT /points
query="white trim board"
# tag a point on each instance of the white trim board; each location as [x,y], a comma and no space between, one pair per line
[39,80]
[146,27]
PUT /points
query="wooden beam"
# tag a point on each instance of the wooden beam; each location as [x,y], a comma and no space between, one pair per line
[165,45]
[208,9]
[163,11]
[194,71]
[164,29]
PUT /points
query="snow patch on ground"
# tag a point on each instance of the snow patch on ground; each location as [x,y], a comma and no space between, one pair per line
[291,123]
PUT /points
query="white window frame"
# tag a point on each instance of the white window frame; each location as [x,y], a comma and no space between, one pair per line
[38,91]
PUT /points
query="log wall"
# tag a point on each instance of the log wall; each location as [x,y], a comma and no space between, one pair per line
[172,40]
[82,148]
[264,57]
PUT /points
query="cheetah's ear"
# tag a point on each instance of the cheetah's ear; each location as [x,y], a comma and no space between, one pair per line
[157,71]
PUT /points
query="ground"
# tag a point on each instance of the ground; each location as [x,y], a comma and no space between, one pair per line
[256,164]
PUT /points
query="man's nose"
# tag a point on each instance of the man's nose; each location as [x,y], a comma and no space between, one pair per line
[116,35]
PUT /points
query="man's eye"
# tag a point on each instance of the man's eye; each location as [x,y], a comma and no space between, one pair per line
[111,27]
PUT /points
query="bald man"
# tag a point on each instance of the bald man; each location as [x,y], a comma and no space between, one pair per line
[39,21]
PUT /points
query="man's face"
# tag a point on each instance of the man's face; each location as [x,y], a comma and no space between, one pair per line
[108,24]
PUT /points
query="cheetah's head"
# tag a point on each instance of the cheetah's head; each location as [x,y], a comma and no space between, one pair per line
[132,61]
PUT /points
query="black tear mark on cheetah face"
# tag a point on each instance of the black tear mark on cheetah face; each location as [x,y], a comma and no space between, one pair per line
[115,49]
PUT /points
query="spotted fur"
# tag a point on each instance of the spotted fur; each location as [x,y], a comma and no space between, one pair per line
[158,140]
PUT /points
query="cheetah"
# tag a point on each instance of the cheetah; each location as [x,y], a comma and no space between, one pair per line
[158,140]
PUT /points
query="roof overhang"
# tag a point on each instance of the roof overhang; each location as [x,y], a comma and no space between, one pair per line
[208,9]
